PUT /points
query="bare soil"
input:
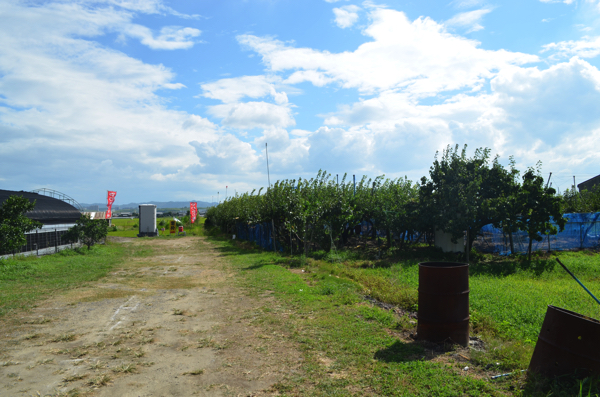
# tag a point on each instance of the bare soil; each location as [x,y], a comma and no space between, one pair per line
[171,324]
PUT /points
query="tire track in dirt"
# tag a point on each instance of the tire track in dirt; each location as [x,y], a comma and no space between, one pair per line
[171,324]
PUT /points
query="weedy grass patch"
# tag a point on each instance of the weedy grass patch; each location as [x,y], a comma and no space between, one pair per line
[368,349]
[23,280]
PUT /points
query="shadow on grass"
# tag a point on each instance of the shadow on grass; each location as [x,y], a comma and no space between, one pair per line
[416,350]
[566,385]
[503,268]
[407,257]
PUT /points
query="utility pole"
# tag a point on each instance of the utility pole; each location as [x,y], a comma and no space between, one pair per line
[268,173]
[269,180]
[548,183]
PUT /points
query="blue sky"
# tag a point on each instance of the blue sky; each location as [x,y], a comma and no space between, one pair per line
[164,100]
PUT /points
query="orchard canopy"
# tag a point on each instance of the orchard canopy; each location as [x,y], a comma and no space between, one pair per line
[462,193]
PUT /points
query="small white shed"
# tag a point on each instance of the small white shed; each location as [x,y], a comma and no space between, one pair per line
[444,241]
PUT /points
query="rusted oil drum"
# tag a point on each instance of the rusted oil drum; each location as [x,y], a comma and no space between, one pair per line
[567,342]
[443,314]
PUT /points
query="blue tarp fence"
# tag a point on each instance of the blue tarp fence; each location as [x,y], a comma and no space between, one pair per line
[259,234]
[581,231]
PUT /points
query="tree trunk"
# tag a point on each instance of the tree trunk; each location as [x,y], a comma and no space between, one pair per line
[305,239]
[274,235]
[510,239]
[529,250]
[364,237]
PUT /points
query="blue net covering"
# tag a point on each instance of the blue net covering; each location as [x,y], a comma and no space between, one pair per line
[259,234]
[581,231]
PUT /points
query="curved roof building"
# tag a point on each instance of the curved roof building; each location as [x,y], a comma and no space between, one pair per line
[48,210]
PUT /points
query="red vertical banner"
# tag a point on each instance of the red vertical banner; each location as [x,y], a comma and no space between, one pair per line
[193,211]
[111,200]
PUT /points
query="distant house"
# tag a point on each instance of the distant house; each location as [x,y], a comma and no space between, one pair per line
[159,214]
[589,184]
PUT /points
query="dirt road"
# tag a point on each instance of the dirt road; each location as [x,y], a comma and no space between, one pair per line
[169,324]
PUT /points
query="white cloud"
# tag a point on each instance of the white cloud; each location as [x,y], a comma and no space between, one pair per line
[233,89]
[67,99]
[315,77]
[226,155]
[250,115]
[301,133]
[587,47]
[466,3]
[253,114]
[550,105]
[60,21]
[559,1]
[530,113]
[170,37]
[346,16]
[146,7]
[75,103]
[469,20]
[446,61]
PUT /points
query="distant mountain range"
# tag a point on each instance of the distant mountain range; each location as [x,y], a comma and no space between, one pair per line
[159,204]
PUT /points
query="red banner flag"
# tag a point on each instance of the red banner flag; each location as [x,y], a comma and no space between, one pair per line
[111,200]
[193,211]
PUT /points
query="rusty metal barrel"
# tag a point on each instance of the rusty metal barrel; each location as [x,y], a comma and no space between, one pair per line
[567,342]
[443,314]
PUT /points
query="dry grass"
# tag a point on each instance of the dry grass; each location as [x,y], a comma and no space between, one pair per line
[154,282]
[64,338]
[73,378]
[98,294]
[99,381]
[194,372]
[97,365]
[38,321]
[8,363]
[124,368]
[32,336]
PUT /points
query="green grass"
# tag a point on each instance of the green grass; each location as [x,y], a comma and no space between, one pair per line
[512,293]
[24,280]
[508,303]
[130,227]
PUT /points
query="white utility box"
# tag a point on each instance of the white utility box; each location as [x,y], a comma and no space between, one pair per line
[148,221]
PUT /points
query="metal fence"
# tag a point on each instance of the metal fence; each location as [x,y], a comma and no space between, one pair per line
[48,239]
